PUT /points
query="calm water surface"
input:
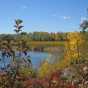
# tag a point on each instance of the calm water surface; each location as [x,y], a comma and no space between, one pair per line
[36,58]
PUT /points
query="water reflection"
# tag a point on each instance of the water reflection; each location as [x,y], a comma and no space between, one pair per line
[24,59]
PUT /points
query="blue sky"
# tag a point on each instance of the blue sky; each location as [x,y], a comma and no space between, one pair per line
[42,15]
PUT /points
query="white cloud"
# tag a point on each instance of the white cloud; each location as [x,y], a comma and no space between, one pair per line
[54,15]
[82,19]
[66,17]
[24,7]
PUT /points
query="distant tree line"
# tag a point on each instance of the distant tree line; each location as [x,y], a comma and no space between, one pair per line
[21,39]
[36,36]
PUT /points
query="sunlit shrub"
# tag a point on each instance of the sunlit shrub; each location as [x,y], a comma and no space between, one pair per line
[27,72]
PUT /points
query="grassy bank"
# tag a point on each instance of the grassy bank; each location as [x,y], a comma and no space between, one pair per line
[45,44]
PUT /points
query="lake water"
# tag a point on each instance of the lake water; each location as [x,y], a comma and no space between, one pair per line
[36,58]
